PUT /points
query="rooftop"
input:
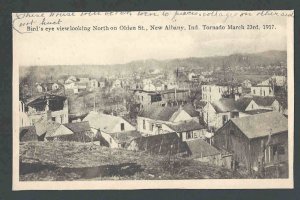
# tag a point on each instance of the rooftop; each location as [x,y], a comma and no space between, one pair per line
[260,125]
[185,126]
[199,147]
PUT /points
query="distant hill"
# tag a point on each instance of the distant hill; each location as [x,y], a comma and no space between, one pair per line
[273,58]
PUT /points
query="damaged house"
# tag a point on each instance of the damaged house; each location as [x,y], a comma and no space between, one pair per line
[255,139]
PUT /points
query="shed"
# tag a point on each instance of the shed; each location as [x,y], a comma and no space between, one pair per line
[255,139]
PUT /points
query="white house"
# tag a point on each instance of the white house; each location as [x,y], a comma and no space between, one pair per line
[23,117]
[117,84]
[154,120]
[94,83]
[212,93]
[246,84]
[110,127]
[216,114]
[262,90]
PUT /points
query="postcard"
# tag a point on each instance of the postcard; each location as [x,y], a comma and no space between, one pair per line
[153,100]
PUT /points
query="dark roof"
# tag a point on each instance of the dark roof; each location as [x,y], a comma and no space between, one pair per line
[172,91]
[78,127]
[258,111]
[190,109]
[260,125]
[161,144]
[198,148]
[125,136]
[42,98]
[200,103]
[264,101]
[242,103]
[158,112]
[27,130]
[185,126]
[224,105]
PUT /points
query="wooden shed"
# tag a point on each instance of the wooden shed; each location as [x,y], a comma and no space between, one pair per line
[255,140]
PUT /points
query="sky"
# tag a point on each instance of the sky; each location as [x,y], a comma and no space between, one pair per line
[117,47]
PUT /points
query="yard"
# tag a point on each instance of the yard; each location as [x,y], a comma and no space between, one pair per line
[78,161]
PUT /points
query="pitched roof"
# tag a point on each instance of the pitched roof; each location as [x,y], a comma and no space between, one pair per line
[242,103]
[125,136]
[264,101]
[158,112]
[78,127]
[51,128]
[185,126]
[190,109]
[27,129]
[200,104]
[162,143]
[224,105]
[199,147]
[258,111]
[103,122]
[260,125]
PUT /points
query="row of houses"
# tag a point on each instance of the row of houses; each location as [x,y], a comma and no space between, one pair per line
[82,84]
[217,113]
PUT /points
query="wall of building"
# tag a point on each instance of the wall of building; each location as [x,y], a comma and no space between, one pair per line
[262,91]
[112,143]
[231,139]
[127,127]
[212,93]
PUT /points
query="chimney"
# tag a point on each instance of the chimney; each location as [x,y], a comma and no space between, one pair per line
[48,115]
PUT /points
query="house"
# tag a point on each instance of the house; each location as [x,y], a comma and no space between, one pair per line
[153,120]
[216,114]
[186,130]
[23,117]
[94,83]
[28,133]
[71,79]
[70,85]
[117,84]
[124,139]
[101,84]
[276,80]
[262,90]
[168,143]
[108,126]
[174,95]
[39,88]
[213,92]
[267,102]
[54,131]
[50,106]
[146,98]
[255,140]
[84,79]
[246,84]
[81,132]
[202,151]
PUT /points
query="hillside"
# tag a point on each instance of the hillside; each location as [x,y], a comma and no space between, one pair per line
[78,161]
[205,63]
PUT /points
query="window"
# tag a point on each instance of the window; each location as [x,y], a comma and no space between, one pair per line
[189,134]
[224,118]
[142,98]
[264,93]
[122,127]
[144,125]
[151,126]
[159,128]
[252,106]
[53,119]
[253,91]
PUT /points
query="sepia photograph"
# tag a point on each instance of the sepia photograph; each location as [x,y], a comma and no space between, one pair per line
[153,99]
